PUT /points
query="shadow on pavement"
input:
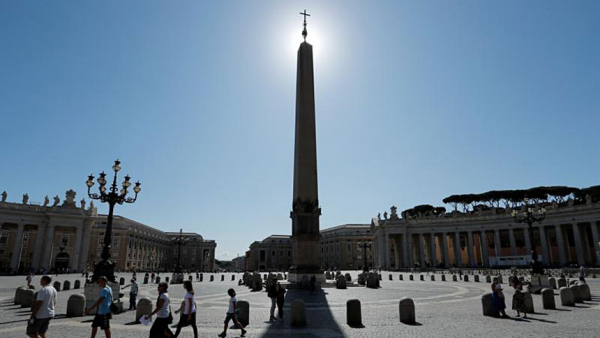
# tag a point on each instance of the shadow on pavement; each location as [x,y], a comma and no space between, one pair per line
[318,317]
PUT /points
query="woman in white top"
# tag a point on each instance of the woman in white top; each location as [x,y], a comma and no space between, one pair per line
[160,328]
[188,309]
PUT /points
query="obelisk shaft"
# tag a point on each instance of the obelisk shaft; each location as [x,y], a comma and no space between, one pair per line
[305,205]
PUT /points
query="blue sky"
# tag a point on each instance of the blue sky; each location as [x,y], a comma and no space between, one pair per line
[415,101]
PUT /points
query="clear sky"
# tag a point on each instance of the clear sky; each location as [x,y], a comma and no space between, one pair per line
[415,101]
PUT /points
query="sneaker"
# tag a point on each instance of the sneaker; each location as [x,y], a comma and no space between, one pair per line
[243,333]
[223,335]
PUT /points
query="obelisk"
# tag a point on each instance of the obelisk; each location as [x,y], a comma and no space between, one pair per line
[305,203]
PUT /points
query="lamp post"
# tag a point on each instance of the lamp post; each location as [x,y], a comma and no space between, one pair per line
[112,196]
[364,245]
[179,241]
[531,216]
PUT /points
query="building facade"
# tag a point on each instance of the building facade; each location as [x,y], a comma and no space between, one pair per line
[239,263]
[273,253]
[567,235]
[345,247]
[36,236]
[197,254]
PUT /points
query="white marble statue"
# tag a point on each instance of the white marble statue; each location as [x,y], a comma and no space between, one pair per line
[385,214]
[91,205]
[4,195]
[56,200]
[70,198]
[25,198]
[82,203]
[46,201]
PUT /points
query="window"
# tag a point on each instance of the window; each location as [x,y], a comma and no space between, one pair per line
[3,238]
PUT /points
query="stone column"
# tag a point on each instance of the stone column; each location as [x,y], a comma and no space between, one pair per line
[498,244]
[380,250]
[39,242]
[421,251]
[445,249]
[527,241]
[513,245]
[544,243]
[77,254]
[411,260]
[17,246]
[86,242]
[46,259]
[471,248]
[578,244]
[595,238]
[457,253]
[386,247]
[484,248]
[397,255]
[405,262]
[561,245]
[432,249]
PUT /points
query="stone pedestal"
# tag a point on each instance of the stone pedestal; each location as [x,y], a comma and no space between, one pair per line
[92,292]
[76,305]
[353,313]
[177,278]
[244,316]
[539,282]
[407,311]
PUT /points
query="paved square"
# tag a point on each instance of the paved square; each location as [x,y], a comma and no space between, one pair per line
[450,309]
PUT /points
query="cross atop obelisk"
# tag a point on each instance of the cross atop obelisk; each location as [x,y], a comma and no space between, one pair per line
[304,32]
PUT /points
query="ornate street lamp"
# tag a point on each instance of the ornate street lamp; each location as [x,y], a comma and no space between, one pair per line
[179,241]
[364,245]
[531,216]
[111,196]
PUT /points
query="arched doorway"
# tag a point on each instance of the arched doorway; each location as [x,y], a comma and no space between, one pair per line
[62,261]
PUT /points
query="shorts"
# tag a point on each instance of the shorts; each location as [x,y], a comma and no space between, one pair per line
[39,326]
[229,317]
[102,321]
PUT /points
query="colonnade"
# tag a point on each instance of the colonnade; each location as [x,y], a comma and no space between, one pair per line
[557,244]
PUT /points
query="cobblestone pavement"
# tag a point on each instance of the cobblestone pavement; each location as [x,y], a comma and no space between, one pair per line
[449,309]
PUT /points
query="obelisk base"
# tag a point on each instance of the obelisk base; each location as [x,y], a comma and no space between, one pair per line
[295,275]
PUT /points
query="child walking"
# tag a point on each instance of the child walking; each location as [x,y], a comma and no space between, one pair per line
[231,315]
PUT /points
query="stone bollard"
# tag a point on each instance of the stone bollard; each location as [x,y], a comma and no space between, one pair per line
[31,286]
[76,305]
[298,313]
[348,277]
[476,278]
[212,278]
[443,278]
[18,292]
[66,285]
[222,278]
[407,311]
[122,281]
[488,305]
[548,299]
[488,279]
[454,278]
[201,277]
[340,282]
[552,282]
[167,279]
[421,277]
[410,277]
[500,279]
[144,307]
[577,296]
[279,276]
[433,278]
[572,282]
[265,276]
[77,284]
[566,296]
[27,298]
[145,280]
[584,289]
[57,285]
[353,313]
[400,277]
[327,275]
[232,278]
[244,316]
[362,279]
[466,278]
[157,279]
[390,277]
[190,278]
[561,282]
[529,303]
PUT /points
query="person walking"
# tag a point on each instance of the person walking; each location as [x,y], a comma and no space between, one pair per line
[518,301]
[103,316]
[280,300]
[43,309]
[232,315]
[160,328]
[498,298]
[188,307]
[133,291]
[272,294]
